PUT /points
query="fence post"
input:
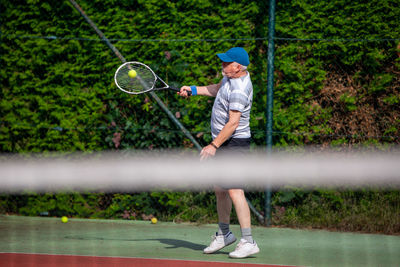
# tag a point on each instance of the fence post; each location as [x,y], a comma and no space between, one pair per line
[270,100]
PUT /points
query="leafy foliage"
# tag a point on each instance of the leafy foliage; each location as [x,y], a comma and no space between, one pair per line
[331,84]
[58,94]
[339,210]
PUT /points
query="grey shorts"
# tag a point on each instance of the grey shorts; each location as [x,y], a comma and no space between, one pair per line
[239,146]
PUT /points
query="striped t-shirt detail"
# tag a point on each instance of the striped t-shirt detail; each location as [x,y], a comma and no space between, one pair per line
[234,94]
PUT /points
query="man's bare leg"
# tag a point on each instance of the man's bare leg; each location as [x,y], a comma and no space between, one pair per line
[242,208]
[224,237]
[246,246]
[224,205]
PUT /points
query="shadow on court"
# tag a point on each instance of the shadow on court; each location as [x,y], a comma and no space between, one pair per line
[172,243]
[175,243]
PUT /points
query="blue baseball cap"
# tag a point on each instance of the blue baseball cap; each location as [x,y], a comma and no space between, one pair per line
[235,54]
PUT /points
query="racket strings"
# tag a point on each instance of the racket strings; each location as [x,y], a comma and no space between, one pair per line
[142,81]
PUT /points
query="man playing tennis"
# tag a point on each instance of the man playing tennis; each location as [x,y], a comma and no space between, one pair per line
[230,130]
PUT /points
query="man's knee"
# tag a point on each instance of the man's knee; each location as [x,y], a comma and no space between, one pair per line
[237,194]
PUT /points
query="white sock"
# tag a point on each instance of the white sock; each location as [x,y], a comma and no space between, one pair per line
[246,234]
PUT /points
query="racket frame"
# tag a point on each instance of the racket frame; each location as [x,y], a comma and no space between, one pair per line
[156,77]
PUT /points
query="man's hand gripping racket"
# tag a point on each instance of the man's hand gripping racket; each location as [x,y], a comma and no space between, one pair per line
[138,78]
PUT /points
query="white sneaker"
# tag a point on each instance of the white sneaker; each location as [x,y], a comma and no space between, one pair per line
[244,249]
[219,241]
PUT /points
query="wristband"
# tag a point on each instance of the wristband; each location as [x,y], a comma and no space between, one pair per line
[212,144]
[194,89]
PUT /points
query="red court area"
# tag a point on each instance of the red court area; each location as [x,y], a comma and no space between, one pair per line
[44,260]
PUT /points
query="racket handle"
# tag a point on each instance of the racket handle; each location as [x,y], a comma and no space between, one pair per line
[178,90]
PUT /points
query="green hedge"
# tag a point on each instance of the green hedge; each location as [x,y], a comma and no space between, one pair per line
[58,94]
[372,211]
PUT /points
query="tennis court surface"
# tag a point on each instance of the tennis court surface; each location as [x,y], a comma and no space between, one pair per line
[32,241]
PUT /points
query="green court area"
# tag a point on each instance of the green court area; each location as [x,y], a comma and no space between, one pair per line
[166,240]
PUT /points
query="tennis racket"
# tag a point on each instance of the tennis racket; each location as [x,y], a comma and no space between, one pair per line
[138,78]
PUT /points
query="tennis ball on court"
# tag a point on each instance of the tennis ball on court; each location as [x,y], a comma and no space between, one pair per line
[132,73]
[64,219]
[154,220]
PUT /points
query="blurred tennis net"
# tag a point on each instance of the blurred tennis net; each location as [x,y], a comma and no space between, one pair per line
[145,171]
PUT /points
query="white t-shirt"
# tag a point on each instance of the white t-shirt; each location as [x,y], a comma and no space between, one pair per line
[234,94]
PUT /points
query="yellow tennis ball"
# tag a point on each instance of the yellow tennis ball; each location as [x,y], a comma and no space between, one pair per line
[154,220]
[64,219]
[132,73]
